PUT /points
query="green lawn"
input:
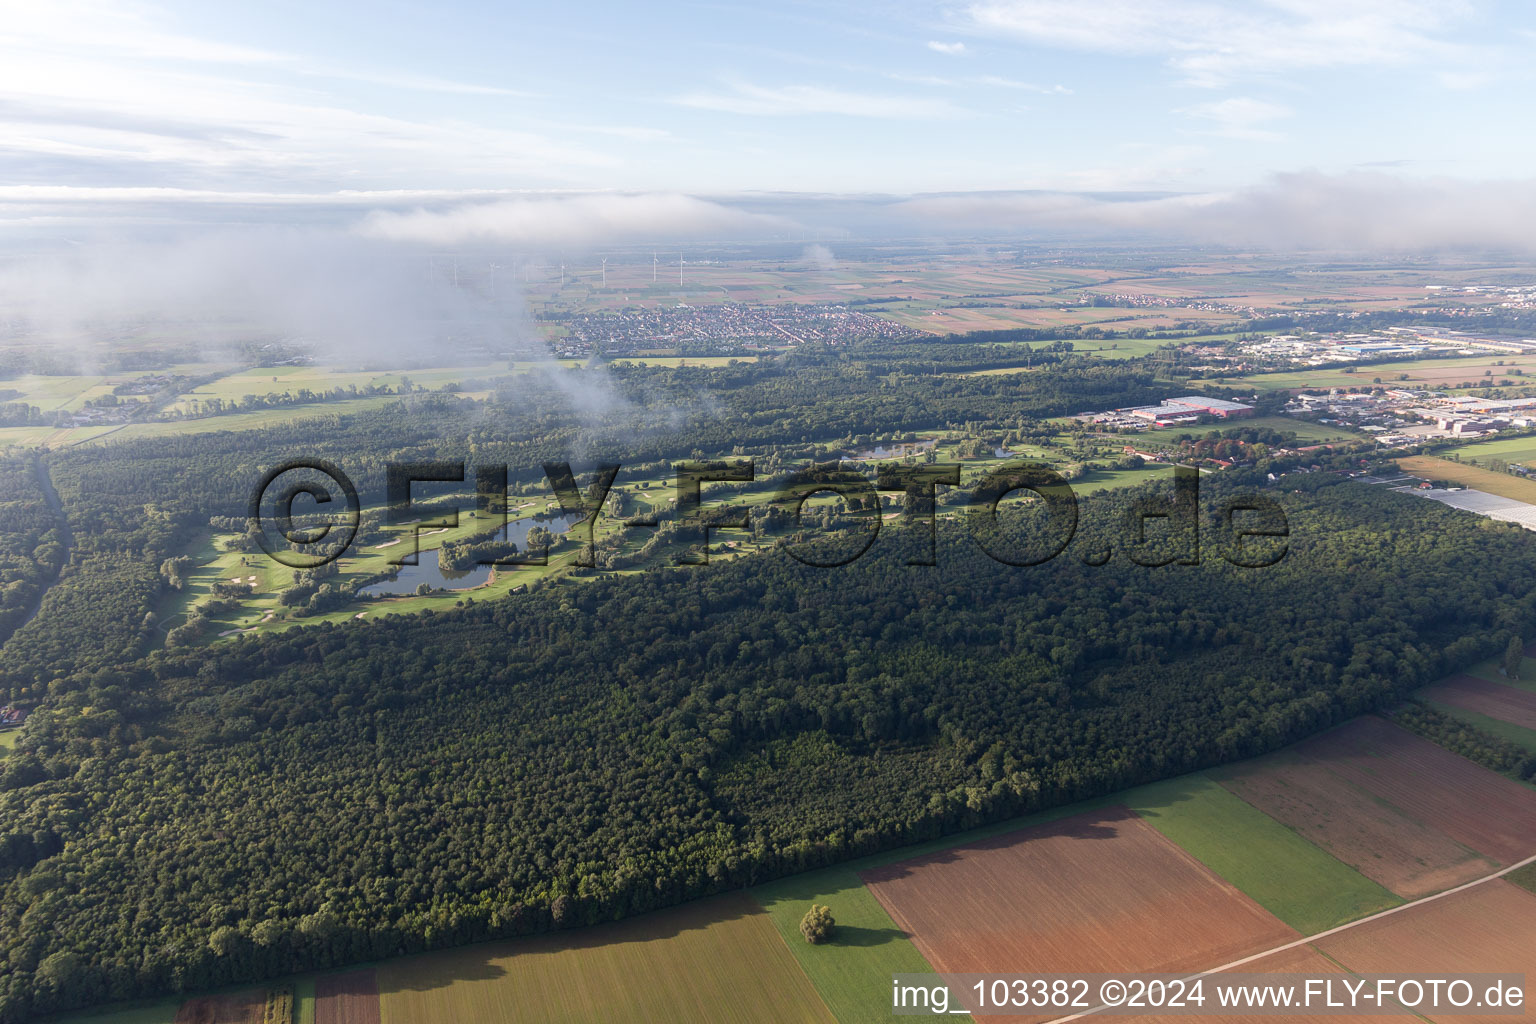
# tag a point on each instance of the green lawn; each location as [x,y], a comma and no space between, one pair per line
[852,973]
[1512,449]
[304,1000]
[1109,479]
[8,740]
[1303,430]
[1299,883]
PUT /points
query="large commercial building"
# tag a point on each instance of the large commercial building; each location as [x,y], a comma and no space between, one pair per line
[1174,411]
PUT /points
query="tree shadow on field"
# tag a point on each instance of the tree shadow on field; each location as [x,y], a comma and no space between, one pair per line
[1098,823]
[853,935]
[490,960]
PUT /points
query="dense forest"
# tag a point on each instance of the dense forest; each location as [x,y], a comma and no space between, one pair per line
[32,546]
[179,818]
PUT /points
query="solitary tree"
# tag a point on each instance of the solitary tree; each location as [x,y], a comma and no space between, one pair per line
[817,924]
[1513,652]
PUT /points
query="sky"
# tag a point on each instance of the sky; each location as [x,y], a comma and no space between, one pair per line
[521,122]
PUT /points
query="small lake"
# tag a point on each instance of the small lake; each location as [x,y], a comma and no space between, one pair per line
[895,451]
[427,569]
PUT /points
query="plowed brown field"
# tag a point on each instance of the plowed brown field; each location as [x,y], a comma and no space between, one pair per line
[351,998]
[235,1008]
[1492,699]
[1487,812]
[1301,960]
[1377,839]
[1100,891]
[1489,928]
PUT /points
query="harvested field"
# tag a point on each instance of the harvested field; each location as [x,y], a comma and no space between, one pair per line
[1470,693]
[1488,813]
[351,998]
[235,1008]
[711,960]
[1489,928]
[1379,840]
[1301,960]
[1486,480]
[1097,891]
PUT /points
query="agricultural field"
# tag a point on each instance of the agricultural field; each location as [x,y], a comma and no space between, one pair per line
[350,998]
[277,380]
[1443,374]
[958,292]
[680,965]
[1385,842]
[1303,959]
[852,973]
[1428,467]
[1479,810]
[1288,876]
[1186,874]
[1504,709]
[1024,311]
[52,437]
[1489,928]
[290,1002]
[1507,703]
[68,393]
[1055,898]
[245,1007]
[1510,449]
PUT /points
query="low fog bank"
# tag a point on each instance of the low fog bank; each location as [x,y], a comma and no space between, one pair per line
[433,278]
[325,293]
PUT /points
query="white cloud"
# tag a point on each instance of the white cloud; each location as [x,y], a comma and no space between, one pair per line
[576,221]
[955,49]
[1010,83]
[1240,117]
[103,94]
[1214,43]
[419,83]
[88,26]
[1463,81]
[1360,212]
[745,98]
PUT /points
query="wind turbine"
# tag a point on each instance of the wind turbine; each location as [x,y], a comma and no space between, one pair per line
[605,271]
[562,275]
[653,268]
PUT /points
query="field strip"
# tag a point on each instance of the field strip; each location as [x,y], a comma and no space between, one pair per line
[1323,935]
